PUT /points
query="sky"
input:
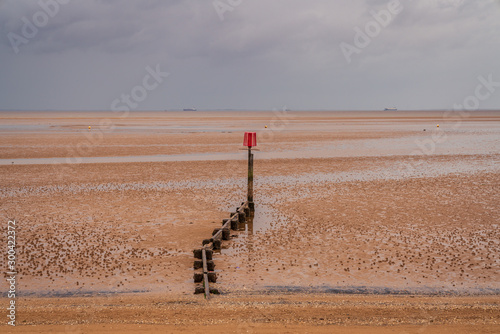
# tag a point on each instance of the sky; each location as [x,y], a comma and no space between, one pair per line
[249,54]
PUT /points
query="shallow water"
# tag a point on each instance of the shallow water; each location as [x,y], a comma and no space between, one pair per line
[414,169]
[467,143]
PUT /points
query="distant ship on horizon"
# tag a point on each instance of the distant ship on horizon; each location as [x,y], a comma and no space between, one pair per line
[391,109]
[189,109]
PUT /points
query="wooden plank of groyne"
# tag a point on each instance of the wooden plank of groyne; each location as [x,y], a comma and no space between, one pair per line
[198,264]
[205,273]
[198,254]
[205,254]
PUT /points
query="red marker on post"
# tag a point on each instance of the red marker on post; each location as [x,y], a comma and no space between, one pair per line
[250,140]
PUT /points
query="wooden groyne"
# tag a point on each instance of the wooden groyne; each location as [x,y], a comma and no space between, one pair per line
[204,255]
[204,265]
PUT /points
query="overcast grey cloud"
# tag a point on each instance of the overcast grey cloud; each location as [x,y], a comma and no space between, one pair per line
[259,55]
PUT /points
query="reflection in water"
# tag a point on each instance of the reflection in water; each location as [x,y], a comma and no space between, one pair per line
[264,218]
[248,227]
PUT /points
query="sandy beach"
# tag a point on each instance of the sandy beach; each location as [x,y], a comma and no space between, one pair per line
[365,222]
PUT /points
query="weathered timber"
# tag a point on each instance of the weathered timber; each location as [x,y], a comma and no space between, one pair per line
[212,277]
[198,254]
[234,224]
[198,277]
[205,273]
[226,234]
[198,264]
[217,244]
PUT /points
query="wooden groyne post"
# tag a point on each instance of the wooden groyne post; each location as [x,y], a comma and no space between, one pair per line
[250,140]
[204,256]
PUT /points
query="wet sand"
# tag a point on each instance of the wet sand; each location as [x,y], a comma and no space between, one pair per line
[346,203]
